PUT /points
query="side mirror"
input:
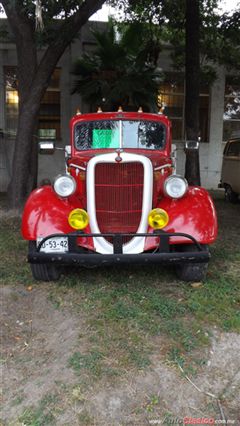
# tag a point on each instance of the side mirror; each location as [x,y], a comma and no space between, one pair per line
[46,147]
[191,145]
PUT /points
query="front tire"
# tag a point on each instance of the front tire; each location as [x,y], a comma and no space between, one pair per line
[192,271]
[43,271]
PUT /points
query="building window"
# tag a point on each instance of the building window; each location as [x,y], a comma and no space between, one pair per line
[172,97]
[49,123]
[231,115]
[49,118]
[49,134]
[11,100]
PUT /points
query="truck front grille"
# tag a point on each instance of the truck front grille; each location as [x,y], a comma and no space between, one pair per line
[118,196]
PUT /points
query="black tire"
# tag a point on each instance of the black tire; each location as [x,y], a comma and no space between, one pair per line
[43,271]
[230,195]
[191,271]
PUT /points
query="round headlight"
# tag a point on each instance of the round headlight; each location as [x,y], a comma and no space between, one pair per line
[175,186]
[64,185]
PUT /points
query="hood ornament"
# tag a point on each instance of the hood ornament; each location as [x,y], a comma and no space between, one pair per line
[118,159]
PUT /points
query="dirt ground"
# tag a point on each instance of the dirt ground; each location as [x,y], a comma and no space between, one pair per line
[37,341]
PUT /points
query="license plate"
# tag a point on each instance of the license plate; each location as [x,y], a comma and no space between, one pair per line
[54,245]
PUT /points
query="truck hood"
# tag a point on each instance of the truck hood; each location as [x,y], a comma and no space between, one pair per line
[158,159]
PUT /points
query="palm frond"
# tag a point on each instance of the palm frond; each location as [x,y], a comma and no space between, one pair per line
[120,70]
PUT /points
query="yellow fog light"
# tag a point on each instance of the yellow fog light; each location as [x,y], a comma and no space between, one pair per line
[158,218]
[78,219]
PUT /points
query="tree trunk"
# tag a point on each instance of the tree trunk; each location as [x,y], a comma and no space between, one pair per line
[192,169]
[23,176]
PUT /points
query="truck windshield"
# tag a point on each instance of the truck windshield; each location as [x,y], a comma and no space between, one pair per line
[120,134]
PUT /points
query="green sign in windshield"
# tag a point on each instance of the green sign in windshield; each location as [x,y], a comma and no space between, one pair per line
[105,138]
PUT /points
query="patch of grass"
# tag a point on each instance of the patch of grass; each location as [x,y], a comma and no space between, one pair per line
[13,252]
[134,357]
[56,300]
[122,320]
[77,394]
[85,418]
[35,417]
[43,414]
[18,400]
[153,403]
[218,302]
[90,362]
[176,356]
[190,364]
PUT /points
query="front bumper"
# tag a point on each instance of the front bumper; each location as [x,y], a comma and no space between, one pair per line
[162,254]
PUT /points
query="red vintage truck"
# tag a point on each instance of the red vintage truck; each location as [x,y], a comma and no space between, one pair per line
[119,201]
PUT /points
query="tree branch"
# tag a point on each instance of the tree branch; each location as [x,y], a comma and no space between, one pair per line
[64,36]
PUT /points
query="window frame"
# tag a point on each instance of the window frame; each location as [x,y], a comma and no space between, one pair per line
[230,144]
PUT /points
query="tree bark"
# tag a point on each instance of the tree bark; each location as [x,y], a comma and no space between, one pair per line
[192,72]
[33,81]
[23,176]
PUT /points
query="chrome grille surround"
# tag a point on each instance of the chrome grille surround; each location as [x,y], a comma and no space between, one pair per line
[135,245]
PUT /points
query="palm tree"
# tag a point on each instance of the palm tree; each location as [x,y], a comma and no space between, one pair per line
[121,71]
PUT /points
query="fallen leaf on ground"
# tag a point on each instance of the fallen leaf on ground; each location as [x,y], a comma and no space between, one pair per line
[197,285]
[17,337]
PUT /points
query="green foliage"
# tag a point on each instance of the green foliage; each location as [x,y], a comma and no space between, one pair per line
[150,11]
[219,34]
[230,40]
[121,71]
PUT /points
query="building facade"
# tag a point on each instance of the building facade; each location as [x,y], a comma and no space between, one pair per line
[219,110]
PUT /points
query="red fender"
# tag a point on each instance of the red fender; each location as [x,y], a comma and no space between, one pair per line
[194,214]
[45,213]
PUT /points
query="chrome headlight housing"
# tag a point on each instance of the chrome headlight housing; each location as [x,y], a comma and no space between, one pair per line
[175,186]
[64,185]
